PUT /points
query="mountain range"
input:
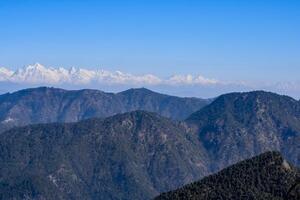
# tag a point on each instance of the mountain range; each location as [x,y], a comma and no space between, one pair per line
[46,105]
[39,74]
[267,176]
[137,154]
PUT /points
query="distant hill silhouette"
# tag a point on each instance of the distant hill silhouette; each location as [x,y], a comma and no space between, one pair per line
[46,105]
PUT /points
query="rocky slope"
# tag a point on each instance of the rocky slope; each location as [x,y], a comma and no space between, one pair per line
[267,176]
[135,155]
[45,105]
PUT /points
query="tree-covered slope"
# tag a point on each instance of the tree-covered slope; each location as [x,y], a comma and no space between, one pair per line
[237,126]
[267,176]
[135,155]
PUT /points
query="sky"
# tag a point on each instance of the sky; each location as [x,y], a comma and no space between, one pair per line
[228,40]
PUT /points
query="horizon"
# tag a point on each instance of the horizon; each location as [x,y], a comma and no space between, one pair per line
[184,85]
[195,48]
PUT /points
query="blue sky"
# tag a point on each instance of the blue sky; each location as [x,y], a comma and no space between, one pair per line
[228,40]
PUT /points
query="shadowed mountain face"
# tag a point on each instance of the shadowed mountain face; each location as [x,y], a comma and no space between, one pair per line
[46,105]
[129,156]
[267,176]
[240,125]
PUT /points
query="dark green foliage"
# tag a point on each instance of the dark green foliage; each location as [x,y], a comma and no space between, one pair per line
[267,176]
[45,105]
[130,156]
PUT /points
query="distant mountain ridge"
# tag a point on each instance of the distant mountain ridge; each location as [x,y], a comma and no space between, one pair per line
[265,177]
[38,73]
[237,126]
[46,105]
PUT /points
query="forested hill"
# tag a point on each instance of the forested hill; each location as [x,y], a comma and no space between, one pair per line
[265,177]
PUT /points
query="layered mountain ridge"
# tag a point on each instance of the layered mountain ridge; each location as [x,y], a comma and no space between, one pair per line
[139,154]
[46,105]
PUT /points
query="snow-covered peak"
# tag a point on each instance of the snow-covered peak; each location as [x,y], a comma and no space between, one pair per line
[5,74]
[5,71]
[72,70]
[36,66]
[39,74]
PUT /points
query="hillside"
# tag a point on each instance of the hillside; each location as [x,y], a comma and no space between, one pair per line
[267,176]
[237,126]
[135,155]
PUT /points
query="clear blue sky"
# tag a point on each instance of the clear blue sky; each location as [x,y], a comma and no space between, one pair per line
[225,39]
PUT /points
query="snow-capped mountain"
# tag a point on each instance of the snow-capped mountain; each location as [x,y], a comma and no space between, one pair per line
[38,73]
[5,74]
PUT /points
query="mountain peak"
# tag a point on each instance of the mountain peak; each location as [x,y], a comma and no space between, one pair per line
[248,123]
[247,101]
[34,68]
[141,90]
[5,74]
